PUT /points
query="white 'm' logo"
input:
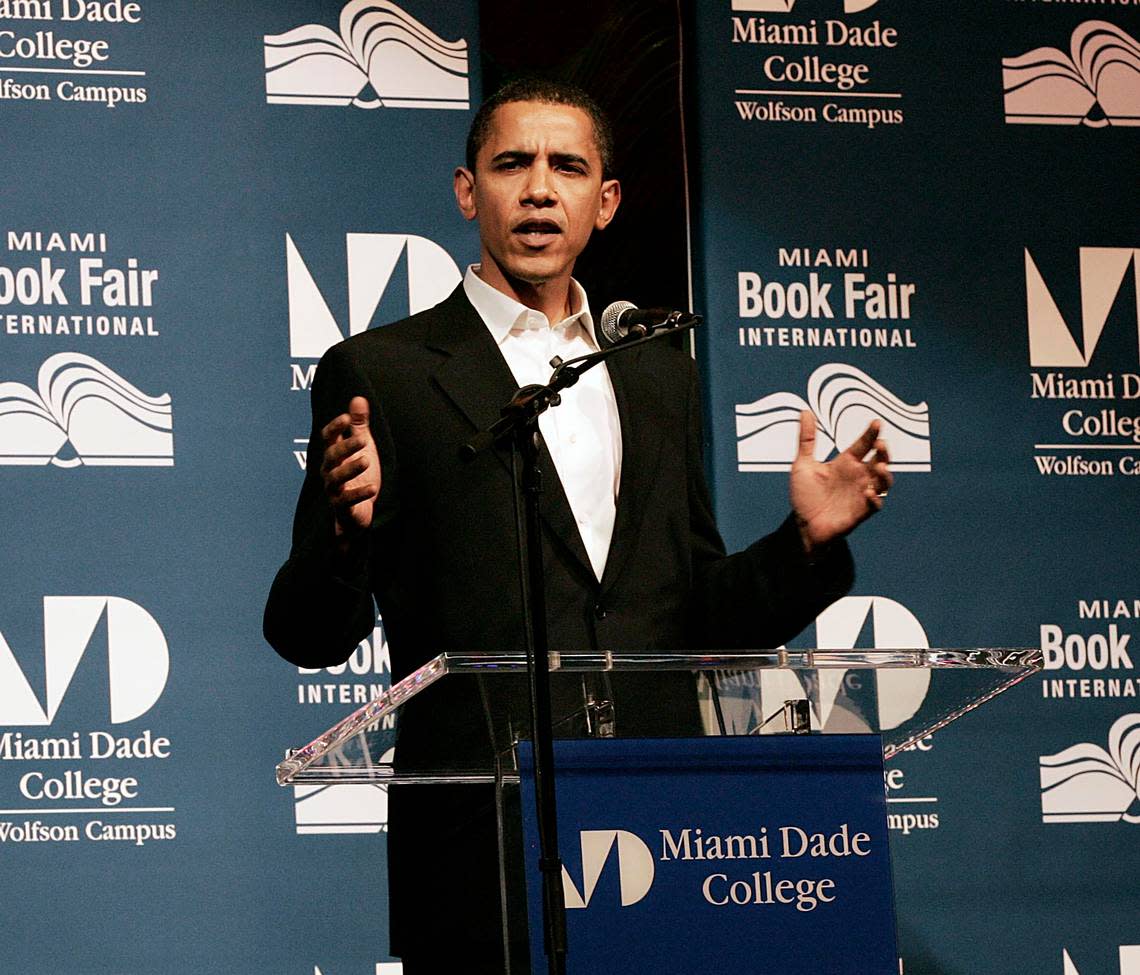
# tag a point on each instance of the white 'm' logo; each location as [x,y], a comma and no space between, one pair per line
[372,258]
[1090,784]
[137,659]
[83,414]
[355,808]
[844,399]
[635,866]
[1102,272]
[1097,83]
[381,57]
[340,808]
[382,968]
[1129,961]
[840,700]
[899,693]
[785,6]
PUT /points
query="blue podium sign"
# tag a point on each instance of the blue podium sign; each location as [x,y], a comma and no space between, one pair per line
[752,855]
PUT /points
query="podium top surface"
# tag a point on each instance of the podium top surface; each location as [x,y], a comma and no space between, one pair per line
[473,706]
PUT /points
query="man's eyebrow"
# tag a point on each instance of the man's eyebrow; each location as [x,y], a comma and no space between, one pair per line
[512,155]
[558,158]
[562,158]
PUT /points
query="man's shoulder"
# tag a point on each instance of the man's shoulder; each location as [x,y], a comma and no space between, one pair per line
[662,358]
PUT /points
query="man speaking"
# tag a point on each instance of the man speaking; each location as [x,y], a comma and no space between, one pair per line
[390,512]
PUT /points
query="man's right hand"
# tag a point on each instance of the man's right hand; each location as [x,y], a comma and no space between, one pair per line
[350,468]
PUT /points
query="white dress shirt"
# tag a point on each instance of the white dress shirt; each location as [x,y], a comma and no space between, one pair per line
[583,434]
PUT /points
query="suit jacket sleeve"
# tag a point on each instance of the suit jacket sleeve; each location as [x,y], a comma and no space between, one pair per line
[320,605]
[765,595]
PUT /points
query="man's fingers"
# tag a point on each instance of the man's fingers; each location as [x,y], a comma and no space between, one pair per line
[353,496]
[879,465]
[862,447]
[355,419]
[341,449]
[352,492]
[358,409]
[350,466]
[807,435]
[332,430]
[338,476]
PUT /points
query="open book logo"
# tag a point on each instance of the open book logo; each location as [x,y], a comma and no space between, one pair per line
[785,6]
[83,413]
[1090,784]
[844,400]
[1097,83]
[1102,271]
[382,57]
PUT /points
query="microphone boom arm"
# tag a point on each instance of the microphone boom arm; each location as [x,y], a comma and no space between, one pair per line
[530,402]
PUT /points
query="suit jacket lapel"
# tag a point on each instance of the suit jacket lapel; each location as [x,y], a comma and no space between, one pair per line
[639,409]
[477,379]
[474,376]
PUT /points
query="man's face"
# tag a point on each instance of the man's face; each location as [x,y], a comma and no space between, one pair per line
[537,192]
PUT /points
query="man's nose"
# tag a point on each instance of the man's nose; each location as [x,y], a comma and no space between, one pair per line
[539,190]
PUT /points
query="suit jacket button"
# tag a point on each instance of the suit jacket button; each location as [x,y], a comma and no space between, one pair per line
[600,611]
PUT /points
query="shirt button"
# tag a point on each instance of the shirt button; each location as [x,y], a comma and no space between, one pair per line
[573,438]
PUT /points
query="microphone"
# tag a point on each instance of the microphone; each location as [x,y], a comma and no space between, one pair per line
[623,320]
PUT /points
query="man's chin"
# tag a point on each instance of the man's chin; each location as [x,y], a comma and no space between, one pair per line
[536,271]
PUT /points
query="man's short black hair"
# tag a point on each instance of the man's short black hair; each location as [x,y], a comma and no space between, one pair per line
[548,92]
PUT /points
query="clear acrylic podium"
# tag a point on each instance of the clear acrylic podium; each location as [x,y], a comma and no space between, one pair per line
[457,720]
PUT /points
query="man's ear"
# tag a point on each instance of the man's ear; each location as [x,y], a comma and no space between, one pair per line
[465,192]
[611,198]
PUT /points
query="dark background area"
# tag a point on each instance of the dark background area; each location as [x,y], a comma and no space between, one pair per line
[628,57]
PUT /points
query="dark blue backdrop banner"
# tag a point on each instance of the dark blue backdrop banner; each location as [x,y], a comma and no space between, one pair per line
[927,213]
[198,199]
[921,212]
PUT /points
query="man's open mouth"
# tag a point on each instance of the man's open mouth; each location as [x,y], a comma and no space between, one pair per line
[537,232]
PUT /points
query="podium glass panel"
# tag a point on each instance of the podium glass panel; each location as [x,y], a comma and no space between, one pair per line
[478,704]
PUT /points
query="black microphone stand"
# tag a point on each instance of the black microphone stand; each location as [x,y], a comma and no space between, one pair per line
[519,424]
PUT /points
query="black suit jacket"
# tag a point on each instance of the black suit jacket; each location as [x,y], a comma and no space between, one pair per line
[440,561]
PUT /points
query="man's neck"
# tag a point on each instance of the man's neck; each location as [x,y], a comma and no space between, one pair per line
[552,298]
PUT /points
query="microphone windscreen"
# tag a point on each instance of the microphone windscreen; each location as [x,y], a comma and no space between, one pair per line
[608,326]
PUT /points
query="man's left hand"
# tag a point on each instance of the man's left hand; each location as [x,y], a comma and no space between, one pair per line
[831,498]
